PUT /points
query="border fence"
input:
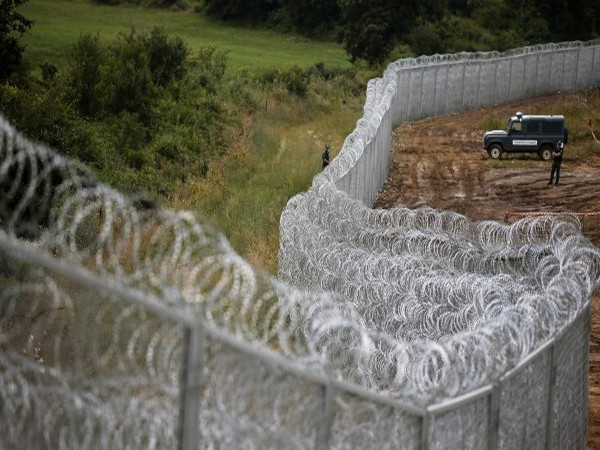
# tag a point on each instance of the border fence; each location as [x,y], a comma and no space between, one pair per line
[123,327]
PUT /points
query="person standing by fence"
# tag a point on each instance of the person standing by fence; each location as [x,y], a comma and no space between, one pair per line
[557,155]
[325,156]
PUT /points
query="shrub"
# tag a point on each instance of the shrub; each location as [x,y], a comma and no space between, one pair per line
[126,81]
[43,114]
[87,58]
[166,58]
[12,26]
[128,132]
[124,75]
[208,67]
[294,80]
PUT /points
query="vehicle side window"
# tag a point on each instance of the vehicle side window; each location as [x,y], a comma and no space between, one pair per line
[516,127]
[533,126]
[552,127]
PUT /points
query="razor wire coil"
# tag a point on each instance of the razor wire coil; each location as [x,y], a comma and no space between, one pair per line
[420,305]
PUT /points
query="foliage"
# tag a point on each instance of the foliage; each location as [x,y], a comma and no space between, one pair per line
[240,10]
[148,3]
[568,20]
[371,29]
[165,58]
[138,109]
[44,114]
[313,18]
[125,79]
[89,55]
[60,23]
[12,26]
[294,80]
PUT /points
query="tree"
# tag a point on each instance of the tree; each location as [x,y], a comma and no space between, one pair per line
[166,57]
[309,17]
[570,20]
[252,11]
[12,27]
[88,56]
[371,28]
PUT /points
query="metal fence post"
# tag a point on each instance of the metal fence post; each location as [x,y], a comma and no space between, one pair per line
[495,79]
[494,418]
[325,418]
[447,83]
[480,64]
[425,423]
[562,80]
[524,93]
[191,388]
[435,113]
[551,383]
[577,67]
[462,89]
[421,92]
[592,82]
[537,65]
[510,79]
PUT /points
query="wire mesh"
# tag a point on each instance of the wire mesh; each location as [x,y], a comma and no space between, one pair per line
[79,370]
[419,306]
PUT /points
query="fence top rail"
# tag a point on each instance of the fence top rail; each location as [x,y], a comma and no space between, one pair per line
[28,253]
[177,306]
[462,57]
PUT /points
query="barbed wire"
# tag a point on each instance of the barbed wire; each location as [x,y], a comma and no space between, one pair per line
[402,301]
[419,305]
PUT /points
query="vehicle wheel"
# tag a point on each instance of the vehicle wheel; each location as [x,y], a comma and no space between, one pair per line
[495,151]
[545,153]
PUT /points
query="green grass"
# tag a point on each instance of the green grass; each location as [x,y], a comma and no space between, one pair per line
[245,194]
[59,23]
[279,151]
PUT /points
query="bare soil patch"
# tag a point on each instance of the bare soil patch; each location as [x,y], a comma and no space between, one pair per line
[440,162]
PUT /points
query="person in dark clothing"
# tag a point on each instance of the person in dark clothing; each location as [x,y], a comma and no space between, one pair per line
[557,155]
[325,156]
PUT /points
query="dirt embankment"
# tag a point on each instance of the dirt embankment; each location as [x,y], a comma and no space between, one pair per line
[441,163]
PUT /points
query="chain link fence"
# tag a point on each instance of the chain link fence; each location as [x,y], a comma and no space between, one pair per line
[123,327]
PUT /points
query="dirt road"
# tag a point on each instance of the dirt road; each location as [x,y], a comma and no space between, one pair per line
[441,163]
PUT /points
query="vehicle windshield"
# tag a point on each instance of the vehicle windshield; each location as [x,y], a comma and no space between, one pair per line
[514,126]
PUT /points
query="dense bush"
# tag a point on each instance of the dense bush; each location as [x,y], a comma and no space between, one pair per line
[151,3]
[139,103]
[166,58]
[12,27]
[299,81]
[371,29]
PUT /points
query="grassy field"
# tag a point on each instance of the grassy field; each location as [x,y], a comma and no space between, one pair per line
[277,152]
[276,157]
[59,23]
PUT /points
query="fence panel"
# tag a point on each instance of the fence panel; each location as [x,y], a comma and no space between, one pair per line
[465,426]
[359,423]
[89,362]
[517,77]
[471,85]
[248,403]
[524,397]
[568,417]
[79,369]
